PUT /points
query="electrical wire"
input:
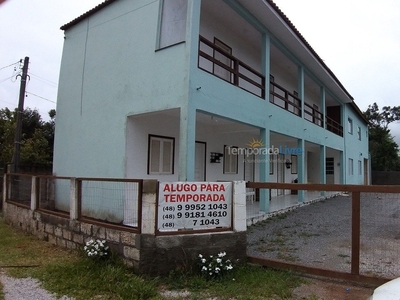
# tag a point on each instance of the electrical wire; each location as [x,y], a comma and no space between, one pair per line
[9,103]
[44,80]
[8,78]
[39,97]
[9,65]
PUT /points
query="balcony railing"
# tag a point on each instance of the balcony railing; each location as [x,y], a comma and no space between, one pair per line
[312,115]
[334,126]
[284,99]
[217,61]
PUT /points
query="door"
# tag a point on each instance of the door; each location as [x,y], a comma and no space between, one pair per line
[200,162]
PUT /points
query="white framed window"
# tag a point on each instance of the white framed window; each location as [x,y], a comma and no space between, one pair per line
[351,167]
[230,160]
[172,22]
[359,167]
[359,132]
[161,155]
[350,125]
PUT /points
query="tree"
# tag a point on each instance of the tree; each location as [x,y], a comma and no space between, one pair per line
[384,150]
[37,136]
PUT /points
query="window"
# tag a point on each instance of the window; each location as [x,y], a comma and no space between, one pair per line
[329,166]
[359,167]
[221,56]
[359,132]
[350,125]
[161,155]
[351,166]
[172,22]
[230,160]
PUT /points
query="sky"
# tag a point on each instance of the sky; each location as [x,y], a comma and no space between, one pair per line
[359,40]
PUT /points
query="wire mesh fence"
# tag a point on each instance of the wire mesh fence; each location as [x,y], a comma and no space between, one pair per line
[110,201]
[19,189]
[54,194]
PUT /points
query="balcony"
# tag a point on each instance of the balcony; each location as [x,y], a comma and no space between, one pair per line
[215,58]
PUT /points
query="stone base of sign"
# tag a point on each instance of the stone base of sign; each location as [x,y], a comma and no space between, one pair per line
[161,254]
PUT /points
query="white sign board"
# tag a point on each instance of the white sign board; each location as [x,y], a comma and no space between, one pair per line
[194,205]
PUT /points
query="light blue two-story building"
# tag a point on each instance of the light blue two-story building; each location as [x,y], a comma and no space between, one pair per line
[202,90]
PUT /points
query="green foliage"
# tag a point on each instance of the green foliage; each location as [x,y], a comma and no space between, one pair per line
[71,273]
[384,150]
[37,136]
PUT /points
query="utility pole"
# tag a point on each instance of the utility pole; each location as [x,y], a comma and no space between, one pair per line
[18,130]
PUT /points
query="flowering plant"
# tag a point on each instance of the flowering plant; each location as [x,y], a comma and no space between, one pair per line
[215,266]
[96,249]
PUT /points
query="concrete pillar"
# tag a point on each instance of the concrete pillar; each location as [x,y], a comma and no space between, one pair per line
[264,170]
[266,62]
[301,160]
[187,143]
[73,199]
[300,83]
[149,207]
[342,168]
[322,166]
[239,206]
[323,105]
[34,193]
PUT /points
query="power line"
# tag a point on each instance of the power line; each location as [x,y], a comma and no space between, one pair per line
[7,78]
[8,102]
[40,97]
[9,65]
[44,79]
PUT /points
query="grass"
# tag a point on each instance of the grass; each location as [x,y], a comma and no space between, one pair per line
[71,273]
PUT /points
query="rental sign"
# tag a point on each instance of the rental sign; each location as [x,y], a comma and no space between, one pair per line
[194,205]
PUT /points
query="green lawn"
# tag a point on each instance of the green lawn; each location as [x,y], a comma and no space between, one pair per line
[71,273]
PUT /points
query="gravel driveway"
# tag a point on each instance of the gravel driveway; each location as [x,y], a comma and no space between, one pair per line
[25,289]
[319,235]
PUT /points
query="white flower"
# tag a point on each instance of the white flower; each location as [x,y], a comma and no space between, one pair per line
[204,268]
[222,254]
[229,267]
[203,260]
[201,256]
[219,260]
